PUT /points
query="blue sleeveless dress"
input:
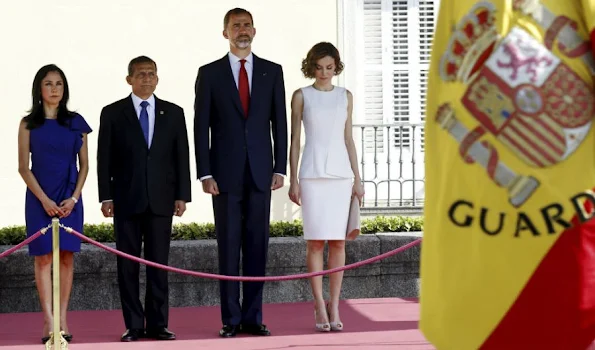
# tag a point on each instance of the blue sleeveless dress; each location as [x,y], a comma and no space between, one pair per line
[54,157]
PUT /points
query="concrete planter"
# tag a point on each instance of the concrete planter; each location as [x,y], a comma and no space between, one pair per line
[95,278]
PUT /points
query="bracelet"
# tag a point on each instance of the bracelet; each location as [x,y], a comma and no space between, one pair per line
[74,200]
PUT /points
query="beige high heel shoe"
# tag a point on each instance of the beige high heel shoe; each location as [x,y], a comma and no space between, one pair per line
[321,327]
[335,326]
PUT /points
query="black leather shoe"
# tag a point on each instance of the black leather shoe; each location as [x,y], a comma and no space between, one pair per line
[229,331]
[45,340]
[132,335]
[161,334]
[255,329]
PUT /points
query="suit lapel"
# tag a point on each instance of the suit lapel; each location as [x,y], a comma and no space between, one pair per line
[132,119]
[130,112]
[160,121]
[230,84]
[258,74]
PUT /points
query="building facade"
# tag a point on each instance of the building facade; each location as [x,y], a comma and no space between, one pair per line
[385,45]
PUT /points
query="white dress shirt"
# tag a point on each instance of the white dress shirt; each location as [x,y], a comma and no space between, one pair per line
[150,111]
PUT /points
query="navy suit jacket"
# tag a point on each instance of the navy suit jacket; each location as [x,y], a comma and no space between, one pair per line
[233,138]
[134,176]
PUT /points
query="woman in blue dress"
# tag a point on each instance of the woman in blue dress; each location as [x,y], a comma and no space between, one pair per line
[53,139]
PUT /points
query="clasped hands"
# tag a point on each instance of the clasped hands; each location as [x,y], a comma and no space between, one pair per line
[61,211]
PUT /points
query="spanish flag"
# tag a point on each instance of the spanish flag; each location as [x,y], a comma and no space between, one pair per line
[508,258]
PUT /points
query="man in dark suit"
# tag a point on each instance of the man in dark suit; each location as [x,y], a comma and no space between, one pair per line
[143,171]
[241,99]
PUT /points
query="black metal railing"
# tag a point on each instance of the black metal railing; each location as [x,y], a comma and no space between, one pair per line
[392,166]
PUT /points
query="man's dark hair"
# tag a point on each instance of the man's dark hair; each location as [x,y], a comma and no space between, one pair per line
[235,12]
[139,60]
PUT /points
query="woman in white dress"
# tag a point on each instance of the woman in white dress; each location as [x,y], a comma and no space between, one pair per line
[328,174]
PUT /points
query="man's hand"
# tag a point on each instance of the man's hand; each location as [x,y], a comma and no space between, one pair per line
[107,208]
[277,182]
[179,208]
[210,186]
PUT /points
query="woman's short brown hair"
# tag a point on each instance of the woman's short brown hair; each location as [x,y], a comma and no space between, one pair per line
[318,51]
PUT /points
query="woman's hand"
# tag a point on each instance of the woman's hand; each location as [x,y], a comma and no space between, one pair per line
[294,193]
[52,209]
[358,191]
[67,205]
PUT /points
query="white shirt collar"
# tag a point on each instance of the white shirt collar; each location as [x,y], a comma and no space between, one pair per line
[137,100]
[233,59]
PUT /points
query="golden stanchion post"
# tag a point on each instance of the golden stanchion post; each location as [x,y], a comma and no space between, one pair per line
[56,338]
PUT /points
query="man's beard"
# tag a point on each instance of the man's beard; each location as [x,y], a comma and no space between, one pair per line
[243,42]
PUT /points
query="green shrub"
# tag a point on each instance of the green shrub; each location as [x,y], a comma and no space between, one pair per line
[104,233]
[12,235]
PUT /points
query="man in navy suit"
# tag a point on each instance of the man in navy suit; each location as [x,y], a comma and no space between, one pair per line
[241,99]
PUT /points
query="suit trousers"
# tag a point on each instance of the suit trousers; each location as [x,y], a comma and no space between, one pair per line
[242,218]
[129,232]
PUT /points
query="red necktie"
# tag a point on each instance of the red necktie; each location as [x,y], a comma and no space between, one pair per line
[244,88]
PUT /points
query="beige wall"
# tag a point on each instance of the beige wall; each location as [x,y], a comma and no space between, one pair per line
[93,41]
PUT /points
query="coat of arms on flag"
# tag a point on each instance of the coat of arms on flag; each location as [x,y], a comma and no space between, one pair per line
[518,91]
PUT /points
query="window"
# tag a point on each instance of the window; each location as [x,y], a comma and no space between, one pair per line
[391,50]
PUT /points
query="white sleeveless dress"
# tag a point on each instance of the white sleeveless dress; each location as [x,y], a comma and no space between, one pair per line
[325,174]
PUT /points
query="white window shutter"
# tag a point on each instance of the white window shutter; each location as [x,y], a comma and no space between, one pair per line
[423,84]
[427,23]
[400,76]
[401,107]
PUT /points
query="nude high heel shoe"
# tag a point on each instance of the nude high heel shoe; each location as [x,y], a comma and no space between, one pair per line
[321,327]
[335,326]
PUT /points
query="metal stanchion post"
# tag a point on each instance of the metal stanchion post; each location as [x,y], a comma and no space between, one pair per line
[56,337]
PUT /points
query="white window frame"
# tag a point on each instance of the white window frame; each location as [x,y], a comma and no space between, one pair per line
[351,40]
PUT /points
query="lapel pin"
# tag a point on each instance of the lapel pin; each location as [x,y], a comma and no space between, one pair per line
[161,112]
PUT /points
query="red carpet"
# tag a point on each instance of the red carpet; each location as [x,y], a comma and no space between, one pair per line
[369,324]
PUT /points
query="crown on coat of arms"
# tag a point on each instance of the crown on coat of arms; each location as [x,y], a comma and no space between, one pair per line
[527,7]
[471,43]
